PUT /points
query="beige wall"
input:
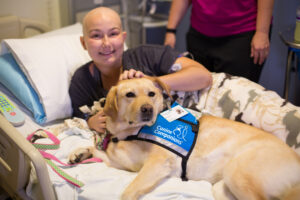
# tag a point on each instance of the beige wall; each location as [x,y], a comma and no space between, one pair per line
[45,11]
[64,12]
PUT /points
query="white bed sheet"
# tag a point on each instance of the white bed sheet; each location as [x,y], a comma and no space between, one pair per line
[101,182]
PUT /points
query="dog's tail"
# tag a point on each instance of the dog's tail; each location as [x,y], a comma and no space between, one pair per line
[293,193]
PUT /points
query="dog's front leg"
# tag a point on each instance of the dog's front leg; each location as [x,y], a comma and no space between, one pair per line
[83,153]
[221,192]
[152,173]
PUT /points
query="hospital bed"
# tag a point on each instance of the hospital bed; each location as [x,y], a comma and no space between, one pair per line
[35,74]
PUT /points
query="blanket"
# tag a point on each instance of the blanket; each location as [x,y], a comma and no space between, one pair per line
[102,182]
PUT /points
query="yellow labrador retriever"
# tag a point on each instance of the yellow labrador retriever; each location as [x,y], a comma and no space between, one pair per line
[241,161]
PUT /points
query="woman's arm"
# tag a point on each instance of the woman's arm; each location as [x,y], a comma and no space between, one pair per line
[177,12]
[192,76]
[260,44]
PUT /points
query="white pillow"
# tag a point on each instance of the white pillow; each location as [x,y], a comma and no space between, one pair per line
[68,30]
[49,61]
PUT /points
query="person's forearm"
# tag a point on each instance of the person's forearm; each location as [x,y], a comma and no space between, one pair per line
[193,76]
[177,12]
[264,15]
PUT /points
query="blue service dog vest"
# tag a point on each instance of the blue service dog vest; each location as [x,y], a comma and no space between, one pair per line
[178,136]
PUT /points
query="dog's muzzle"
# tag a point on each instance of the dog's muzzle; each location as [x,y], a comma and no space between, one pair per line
[146,112]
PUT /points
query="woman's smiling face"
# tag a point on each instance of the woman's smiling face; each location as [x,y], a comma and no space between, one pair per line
[103,37]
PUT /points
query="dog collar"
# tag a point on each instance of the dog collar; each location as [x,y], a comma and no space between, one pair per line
[115,140]
[101,140]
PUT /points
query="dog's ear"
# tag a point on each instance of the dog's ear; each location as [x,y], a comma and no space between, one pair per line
[111,103]
[160,84]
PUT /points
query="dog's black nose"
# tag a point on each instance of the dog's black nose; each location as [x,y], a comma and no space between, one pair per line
[147,109]
[147,112]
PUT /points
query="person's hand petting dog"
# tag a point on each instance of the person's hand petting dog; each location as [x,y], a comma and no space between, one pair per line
[130,74]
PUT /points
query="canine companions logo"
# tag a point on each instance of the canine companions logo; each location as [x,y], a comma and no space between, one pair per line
[180,132]
[176,135]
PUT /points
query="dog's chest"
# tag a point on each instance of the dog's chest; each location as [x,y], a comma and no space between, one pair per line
[128,155]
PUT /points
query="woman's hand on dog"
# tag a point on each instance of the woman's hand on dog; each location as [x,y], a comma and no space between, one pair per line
[138,74]
[98,122]
[130,74]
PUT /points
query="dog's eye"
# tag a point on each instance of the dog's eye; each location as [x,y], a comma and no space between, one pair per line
[130,94]
[151,94]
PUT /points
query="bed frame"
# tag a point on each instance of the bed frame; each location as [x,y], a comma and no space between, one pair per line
[16,156]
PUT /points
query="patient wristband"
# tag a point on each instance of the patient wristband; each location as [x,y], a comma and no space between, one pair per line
[171,30]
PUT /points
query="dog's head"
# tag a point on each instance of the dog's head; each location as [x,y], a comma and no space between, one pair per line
[135,102]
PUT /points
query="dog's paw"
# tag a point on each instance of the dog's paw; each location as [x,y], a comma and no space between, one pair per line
[39,134]
[80,155]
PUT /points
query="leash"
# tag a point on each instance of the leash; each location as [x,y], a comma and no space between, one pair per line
[49,157]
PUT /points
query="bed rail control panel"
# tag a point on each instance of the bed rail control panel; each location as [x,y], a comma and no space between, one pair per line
[10,111]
